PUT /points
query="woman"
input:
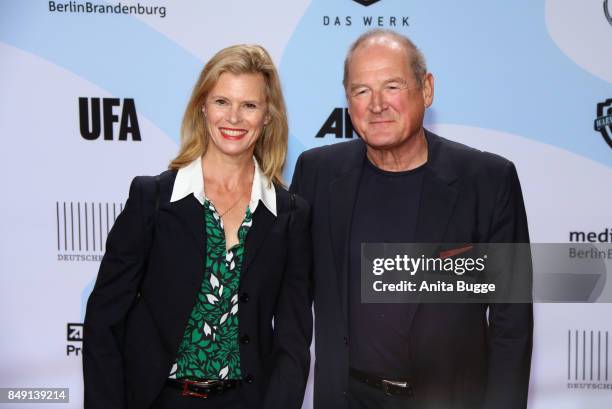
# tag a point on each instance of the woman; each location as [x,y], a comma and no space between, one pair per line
[203,295]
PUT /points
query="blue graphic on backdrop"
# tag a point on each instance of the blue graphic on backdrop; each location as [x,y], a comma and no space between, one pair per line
[494,63]
[118,53]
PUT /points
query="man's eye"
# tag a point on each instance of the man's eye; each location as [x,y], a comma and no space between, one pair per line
[360,92]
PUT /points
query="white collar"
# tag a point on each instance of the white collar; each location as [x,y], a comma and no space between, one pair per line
[189,180]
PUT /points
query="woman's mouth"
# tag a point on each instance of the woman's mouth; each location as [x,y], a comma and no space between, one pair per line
[233,134]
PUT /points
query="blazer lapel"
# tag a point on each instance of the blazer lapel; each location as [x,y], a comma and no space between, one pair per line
[262,222]
[343,193]
[435,209]
[438,197]
[190,214]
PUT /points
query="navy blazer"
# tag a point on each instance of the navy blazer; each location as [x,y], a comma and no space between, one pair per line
[459,358]
[147,286]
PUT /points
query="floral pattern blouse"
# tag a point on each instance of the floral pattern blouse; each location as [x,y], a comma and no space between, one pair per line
[210,348]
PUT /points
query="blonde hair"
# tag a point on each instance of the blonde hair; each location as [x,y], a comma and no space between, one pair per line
[271,146]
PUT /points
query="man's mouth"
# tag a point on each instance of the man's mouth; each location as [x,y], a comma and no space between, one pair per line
[231,133]
[381,122]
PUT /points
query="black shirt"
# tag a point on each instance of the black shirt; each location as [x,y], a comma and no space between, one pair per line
[385,212]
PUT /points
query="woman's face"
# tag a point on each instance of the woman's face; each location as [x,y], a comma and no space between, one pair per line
[236,112]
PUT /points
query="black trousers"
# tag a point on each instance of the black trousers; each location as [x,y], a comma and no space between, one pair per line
[171,398]
[362,396]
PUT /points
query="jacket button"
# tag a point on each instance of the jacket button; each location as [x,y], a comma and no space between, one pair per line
[244,339]
[244,297]
[249,378]
[345,340]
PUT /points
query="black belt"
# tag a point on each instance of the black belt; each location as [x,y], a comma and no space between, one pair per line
[202,389]
[388,386]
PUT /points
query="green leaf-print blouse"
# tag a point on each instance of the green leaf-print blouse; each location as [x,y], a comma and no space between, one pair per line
[209,348]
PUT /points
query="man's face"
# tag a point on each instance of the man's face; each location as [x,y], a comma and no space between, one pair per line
[385,101]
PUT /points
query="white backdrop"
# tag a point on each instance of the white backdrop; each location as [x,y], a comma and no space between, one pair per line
[522,79]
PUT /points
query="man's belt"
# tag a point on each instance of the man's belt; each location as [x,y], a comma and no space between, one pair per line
[388,386]
[202,389]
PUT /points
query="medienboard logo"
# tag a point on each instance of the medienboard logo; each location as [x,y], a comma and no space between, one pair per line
[74,338]
[602,236]
[588,359]
[366,21]
[603,122]
[82,229]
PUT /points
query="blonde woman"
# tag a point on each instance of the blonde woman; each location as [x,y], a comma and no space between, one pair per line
[203,296]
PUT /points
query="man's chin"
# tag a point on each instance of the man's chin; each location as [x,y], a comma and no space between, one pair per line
[382,144]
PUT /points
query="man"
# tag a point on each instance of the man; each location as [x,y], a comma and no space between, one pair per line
[402,183]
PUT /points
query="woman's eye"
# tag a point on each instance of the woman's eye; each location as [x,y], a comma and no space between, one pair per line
[220,102]
[250,106]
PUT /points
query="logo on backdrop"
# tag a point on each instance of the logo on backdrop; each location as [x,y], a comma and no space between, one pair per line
[588,360]
[101,116]
[89,7]
[602,236]
[603,122]
[82,228]
[368,2]
[608,11]
[366,21]
[338,124]
[74,338]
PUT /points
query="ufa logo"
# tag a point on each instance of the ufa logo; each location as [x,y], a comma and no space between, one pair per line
[96,117]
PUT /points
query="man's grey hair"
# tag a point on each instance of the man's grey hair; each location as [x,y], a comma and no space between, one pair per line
[414,55]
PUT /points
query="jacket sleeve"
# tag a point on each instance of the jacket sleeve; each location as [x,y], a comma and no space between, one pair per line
[510,325]
[293,319]
[114,292]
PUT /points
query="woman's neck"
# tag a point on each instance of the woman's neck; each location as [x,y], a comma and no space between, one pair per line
[228,173]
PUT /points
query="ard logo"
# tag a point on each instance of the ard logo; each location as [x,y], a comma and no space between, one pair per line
[338,123]
[98,115]
[603,122]
[368,2]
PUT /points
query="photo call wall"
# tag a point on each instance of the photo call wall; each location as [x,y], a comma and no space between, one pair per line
[93,92]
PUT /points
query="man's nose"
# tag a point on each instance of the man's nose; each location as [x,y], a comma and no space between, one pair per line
[377,102]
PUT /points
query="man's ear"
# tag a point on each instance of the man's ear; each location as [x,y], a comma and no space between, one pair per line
[428,89]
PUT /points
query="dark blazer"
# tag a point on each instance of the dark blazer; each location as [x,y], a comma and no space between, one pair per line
[459,360]
[147,286]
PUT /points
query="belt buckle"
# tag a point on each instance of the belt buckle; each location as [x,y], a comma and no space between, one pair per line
[387,385]
[187,392]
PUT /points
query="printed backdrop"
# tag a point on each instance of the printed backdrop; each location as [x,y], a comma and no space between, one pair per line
[92,94]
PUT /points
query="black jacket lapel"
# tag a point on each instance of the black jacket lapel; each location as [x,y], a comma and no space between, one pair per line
[438,195]
[190,213]
[343,193]
[262,222]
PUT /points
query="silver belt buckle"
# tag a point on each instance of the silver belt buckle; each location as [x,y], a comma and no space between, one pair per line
[386,384]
